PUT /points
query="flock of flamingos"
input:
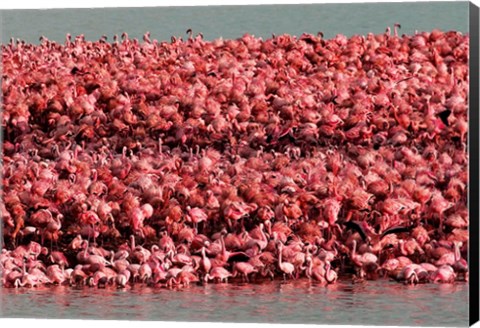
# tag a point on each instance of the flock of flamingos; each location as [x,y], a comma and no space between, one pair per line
[168,163]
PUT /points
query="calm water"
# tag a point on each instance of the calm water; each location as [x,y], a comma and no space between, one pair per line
[373,303]
[382,303]
[234,21]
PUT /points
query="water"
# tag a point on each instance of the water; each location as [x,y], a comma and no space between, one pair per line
[373,303]
[377,303]
[234,21]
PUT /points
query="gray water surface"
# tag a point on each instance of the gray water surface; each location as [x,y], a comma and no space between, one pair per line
[234,21]
[372,303]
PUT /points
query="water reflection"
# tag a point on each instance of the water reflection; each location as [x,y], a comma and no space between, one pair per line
[378,302]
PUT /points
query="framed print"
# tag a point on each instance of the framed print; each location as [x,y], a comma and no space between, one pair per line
[280,163]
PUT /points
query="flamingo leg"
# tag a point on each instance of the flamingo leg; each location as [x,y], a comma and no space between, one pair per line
[56,243]
[93,229]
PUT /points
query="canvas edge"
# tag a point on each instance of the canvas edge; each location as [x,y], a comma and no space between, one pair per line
[474,164]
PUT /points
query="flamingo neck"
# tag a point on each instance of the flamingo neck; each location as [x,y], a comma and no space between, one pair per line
[328,273]
[264,237]
[310,269]
[132,242]
[280,255]
[457,252]
[18,283]
[222,242]
[86,248]
[335,251]
[402,249]
[269,228]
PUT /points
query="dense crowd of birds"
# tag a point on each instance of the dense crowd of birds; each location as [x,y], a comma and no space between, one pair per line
[167,163]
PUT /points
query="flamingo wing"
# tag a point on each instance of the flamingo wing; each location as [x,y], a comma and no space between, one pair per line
[354,225]
[395,229]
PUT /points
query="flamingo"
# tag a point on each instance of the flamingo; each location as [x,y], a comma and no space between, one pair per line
[99,279]
[138,252]
[444,274]
[258,238]
[55,274]
[286,267]
[196,215]
[218,273]
[29,280]
[184,278]
[316,272]
[205,263]
[53,227]
[59,258]
[122,278]
[145,272]
[460,265]
[244,268]
[408,275]
[78,277]
[361,261]
[330,275]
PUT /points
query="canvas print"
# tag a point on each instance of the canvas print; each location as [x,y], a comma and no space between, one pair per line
[274,164]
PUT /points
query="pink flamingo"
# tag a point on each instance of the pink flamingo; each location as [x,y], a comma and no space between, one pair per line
[159,273]
[429,267]
[184,278]
[9,277]
[134,270]
[330,274]
[218,273]
[122,278]
[408,275]
[286,267]
[78,277]
[444,274]
[460,265]
[145,272]
[138,252]
[244,268]
[205,263]
[166,242]
[196,215]
[316,272]
[389,266]
[59,258]
[53,227]
[28,280]
[99,279]
[56,275]
[258,237]
[361,261]
[76,243]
